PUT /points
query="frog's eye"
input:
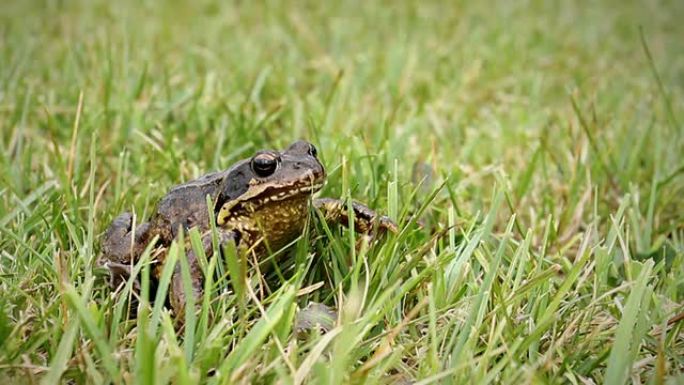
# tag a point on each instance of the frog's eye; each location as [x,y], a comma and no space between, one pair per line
[312,150]
[264,164]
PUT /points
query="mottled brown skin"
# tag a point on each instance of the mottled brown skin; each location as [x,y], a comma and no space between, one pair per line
[261,204]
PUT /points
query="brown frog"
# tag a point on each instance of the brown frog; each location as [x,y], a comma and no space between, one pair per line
[261,203]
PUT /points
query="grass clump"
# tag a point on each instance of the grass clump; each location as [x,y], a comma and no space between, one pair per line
[531,152]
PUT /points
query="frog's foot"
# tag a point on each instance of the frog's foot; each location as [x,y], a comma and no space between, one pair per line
[365,219]
[119,273]
[315,316]
[177,292]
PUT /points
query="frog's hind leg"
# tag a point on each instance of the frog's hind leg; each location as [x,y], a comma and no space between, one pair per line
[365,219]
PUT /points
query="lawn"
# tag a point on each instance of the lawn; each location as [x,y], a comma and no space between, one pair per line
[530,151]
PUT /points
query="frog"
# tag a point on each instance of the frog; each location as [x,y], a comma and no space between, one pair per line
[259,204]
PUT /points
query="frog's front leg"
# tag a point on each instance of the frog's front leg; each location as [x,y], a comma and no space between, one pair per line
[177,294]
[365,219]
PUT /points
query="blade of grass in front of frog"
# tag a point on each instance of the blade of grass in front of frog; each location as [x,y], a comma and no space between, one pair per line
[178,363]
[257,335]
[302,258]
[124,298]
[236,264]
[190,316]
[208,273]
[355,326]
[198,248]
[207,294]
[213,348]
[163,287]
[351,225]
[236,270]
[433,347]
[314,355]
[145,343]
[355,266]
[334,243]
[220,271]
[216,269]
[282,329]
[144,287]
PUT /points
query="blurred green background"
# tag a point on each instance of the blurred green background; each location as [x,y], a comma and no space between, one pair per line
[463,86]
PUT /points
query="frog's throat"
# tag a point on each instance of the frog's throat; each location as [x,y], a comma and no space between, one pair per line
[259,195]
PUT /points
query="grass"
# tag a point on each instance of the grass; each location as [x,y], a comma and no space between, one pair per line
[539,145]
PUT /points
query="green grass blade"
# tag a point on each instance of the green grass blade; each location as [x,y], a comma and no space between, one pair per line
[63,354]
[251,342]
[626,341]
[90,326]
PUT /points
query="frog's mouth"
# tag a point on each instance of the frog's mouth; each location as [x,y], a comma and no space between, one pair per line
[261,194]
[280,193]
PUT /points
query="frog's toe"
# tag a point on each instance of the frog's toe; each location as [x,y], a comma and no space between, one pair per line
[119,273]
[387,224]
[316,316]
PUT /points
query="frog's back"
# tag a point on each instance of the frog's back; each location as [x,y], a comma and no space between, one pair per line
[186,205]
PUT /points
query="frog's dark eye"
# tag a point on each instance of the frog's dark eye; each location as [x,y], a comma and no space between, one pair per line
[312,150]
[264,164]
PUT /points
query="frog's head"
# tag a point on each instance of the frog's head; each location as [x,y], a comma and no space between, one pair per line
[268,179]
